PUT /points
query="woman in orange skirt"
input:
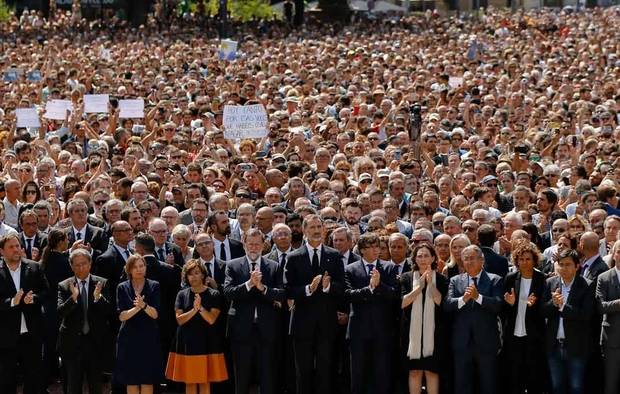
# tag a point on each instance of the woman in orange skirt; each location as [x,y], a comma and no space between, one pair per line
[197,354]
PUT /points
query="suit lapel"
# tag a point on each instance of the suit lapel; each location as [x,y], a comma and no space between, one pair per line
[7,274]
[614,285]
[245,268]
[22,274]
[518,286]
[87,234]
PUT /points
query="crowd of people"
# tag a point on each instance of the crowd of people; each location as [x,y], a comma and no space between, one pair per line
[434,207]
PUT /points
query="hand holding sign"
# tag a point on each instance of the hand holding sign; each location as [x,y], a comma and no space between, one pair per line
[245,121]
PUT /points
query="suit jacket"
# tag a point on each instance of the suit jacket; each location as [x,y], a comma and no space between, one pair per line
[176,252]
[95,237]
[608,303]
[316,312]
[169,278]
[534,322]
[73,318]
[111,266]
[236,249]
[185,217]
[370,311]
[596,268]
[39,242]
[494,263]
[474,324]
[244,303]
[545,240]
[576,315]
[405,228]
[31,279]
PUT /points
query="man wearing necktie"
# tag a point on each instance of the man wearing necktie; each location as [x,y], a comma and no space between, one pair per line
[253,285]
[568,306]
[33,241]
[313,278]
[226,248]
[475,300]
[371,288]
[166,252]
[84,308]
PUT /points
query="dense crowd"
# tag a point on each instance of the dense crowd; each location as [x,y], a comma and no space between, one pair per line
[434,207]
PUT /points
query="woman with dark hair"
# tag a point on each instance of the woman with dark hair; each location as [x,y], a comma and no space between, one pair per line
[30,193]
[524,325]
[197,355]
[55,264]
[138,355]
[423,334]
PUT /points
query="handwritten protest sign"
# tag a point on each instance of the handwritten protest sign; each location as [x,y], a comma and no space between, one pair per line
[96,103]
[245,121]
[27,117]
[228,50]
[57,109]
[132,109]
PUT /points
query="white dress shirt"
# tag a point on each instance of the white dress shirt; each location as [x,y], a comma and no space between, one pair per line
[16,276]
[311,255]
[565,293]
[524,291]
[470,281]
[217,246]
[82,233]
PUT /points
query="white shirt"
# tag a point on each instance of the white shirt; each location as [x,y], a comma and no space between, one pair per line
[524,291]
[11,212]
[82,233]
[217,247]
[247,284]
[587,264]
[5,230]
[16,276]
[210,264]
[280,253]
[345,257]
[399,266]
[79,284]
[470,281]
[565,292]
[311,255]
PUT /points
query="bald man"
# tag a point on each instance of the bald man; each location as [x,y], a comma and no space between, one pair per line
[592,265]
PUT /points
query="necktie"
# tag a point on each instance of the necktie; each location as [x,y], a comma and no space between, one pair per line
[253,264]
[84,301]
[209,272]
[29,248]
[283,259]
[369,268]
[475,279]
[222,252]
[315,262]
[161,255]
[78,236]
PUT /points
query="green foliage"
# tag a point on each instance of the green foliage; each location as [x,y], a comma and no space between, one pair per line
[5,11]
[243,10]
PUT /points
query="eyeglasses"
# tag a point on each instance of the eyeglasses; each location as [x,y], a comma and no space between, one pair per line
[145,210]
[331,218]
[31,192]
[558,230]
[491,184]
[242,196]
[468,229]
[29,224]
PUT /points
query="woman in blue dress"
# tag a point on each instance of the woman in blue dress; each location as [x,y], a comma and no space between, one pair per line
[138,353]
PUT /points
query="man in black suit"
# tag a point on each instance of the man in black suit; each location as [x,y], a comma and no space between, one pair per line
[226,248]
[370,286]
[81,231]
[32,240]
[475,300]
[281,237]
[23,290]
[568,306]
[591,267]
[342,241]
[111,264]
[608,301]
[254,287]
[84,307]
[216,269]
[399,245]
[165,251]
[493,262]
[313,278]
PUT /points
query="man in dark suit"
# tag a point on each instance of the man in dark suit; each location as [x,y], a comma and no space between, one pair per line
[342,241]
[281,244]
[84,307]
[32,240]
[370,286]
[23,290]
[81,231]
[226,248]
[165,251]
[313,278]
[608,302]
[568,305]
[111,264]
[254,287]
[475,300]
[591,267]
[399,245]
[493,262]
[524,326]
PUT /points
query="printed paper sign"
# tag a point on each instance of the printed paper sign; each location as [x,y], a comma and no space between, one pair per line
[228,50]
[27,117]
[455,82]
[245,121]
[133,109]
[96,103]
[57,109]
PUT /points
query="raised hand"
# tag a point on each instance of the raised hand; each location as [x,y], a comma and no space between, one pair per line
[474,292]
[531,300]
[510,297]
[556,298]
[29,298]
[18,297]
[326,281]
[315,283]
[97,292]
[197,302]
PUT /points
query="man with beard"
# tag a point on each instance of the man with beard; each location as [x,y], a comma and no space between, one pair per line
[293,221]
[352,213]
[225,248]
[199,215]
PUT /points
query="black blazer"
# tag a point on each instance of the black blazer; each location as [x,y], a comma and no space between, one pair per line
[494,263]
[371,311]
[476,325]
[236,249]
[353,258]
[607,298]
[73,319]
[244,303]
[31,279]
[40,242]
[596,268]
[94,236]
[111,266]
[577,314]
[319,310]
[534,322]
[176,252]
